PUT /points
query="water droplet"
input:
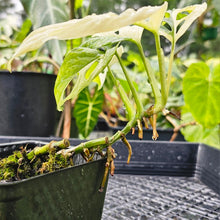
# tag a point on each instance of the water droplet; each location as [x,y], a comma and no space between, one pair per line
[179,157]
[153,151]
[22,115]
[82,172]
[149,157]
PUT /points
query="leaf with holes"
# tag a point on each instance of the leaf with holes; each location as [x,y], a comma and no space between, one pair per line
[87,109]
[177,21]
[201,93]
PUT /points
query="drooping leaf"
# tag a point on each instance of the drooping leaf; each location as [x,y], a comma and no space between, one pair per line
[87,109]
[85,64]
[177,21]
[75,60]
[86,26]
[47,12]
[201,93]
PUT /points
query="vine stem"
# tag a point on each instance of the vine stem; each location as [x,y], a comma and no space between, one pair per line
[133,90]
[162,72]
[123,95]
[169,74]
[157,94]
[106,141]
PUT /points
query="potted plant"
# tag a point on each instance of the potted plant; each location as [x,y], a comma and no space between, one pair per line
[85,64]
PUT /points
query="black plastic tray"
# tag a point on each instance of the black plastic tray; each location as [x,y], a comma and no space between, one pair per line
[164,180]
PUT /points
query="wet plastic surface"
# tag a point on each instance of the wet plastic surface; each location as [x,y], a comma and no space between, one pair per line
[164,180]
[159,197]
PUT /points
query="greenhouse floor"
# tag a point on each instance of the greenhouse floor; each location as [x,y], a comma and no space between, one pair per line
[158,197]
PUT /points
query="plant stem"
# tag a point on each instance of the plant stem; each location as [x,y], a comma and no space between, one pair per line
[134,92]
[169,74]
[157,94]
[45,149]
[72,8]
[161,63]
[100,142]
[123,95]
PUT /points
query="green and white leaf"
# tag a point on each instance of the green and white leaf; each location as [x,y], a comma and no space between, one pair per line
[201,93]
[86,26]
[179,20]
[87,109]
[47,12]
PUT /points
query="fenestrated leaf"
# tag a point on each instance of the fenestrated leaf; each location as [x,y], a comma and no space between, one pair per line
[86,26]
[201,93]
[87,109]
[179,21]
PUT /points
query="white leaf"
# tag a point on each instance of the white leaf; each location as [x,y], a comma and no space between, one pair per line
[86,26]
[134,32]
[154,21]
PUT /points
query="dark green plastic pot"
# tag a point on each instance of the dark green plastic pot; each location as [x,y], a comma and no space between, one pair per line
[209,33]
[70,193]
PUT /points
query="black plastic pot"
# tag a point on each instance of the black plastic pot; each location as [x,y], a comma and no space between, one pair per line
[27,103]
[70,193]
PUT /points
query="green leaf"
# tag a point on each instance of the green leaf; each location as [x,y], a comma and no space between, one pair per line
[201,93]
[75,60]
[78,4]
[25,28]
[198,133]
[102,43]
[87,109]
[85,64]
[47,12]
[177,21]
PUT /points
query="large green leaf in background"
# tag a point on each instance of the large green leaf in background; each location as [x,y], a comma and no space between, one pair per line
[198,133]
[87,109]
[202,93]
[46,12]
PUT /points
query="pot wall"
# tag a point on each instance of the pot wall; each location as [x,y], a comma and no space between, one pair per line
[70,193]
[27,103]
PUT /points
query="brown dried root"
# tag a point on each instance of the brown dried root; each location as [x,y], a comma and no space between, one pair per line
[125,141]
[145,123]
[140,129]
[153,122]
[109,164]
